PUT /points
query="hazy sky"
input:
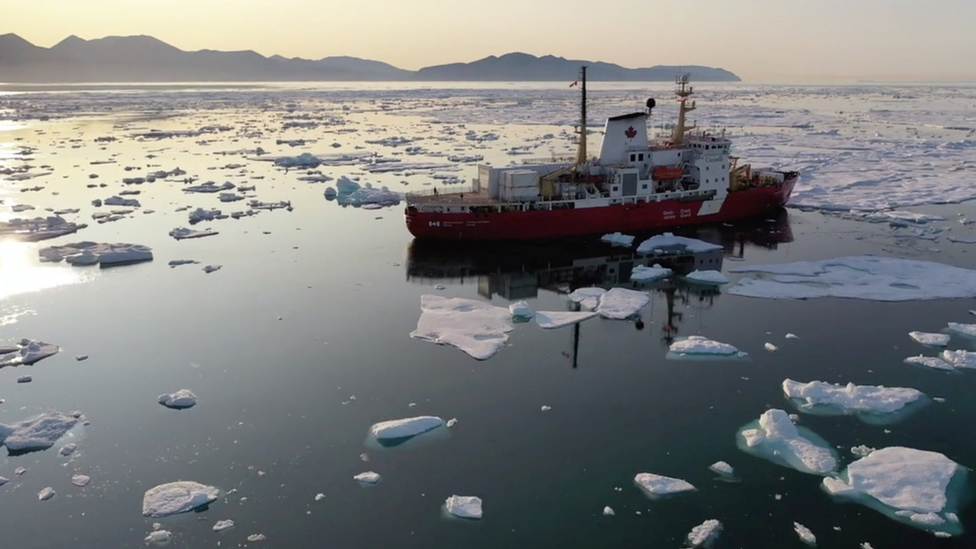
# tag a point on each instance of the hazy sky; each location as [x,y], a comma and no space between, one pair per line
[761,40]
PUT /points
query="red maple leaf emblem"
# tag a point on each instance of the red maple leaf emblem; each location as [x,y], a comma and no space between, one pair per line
[630,133]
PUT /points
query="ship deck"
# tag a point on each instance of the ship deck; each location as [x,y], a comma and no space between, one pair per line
[444,199]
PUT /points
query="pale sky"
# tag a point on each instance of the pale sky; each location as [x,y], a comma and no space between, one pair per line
[760,40]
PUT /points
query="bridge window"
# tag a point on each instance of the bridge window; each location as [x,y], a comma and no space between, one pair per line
[633,157]
[640,157]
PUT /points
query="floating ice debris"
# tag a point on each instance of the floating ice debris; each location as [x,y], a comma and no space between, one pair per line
[222,525]
[550,320]
[546,408]
[775,438]
[702,347]
[319,497]
[211,268]
[475,327]
[607,511]
[705,533]
[229,197]
[177,497]
[258,205]
[641,273]
[668,243]
[818,397]
[159,537]
[521,311]
[452,422]
[721,468]
[861,450]
[179,262]
[68,449]
[806,536]
[657,485]
[182,233]
[80,480]
[859,277]
[404,428]
[905,484]
[27,352]
[256,537]
[36,433]
[770,347]
[81,358]
[933,362]
[588,298]
[468,507]
[123,202]
[618,239]
[184,398]
[46,494]
[369,477]
[925,338]
[960,358]
[200,214]
[968,330]
[4,480]
[791,336]
[92,253]
[19,471]
[304,160]
[330,193]
[707,277]
[24,379]
[209,187]
[621,303]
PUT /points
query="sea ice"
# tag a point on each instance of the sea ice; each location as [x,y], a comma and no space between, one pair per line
[68,449]
[859,277]
[641,273]
[182,233]
[818,397]
[806,536]
[705,533]
[607,511]
[27,352]
[222,525]
[180,262]
[92,253]
[399,429]
[475,327]
[960,358]
[468,507]
[24,379]
[211,268]
[668,243]
[657,485]
[588,298]
[909,485]
[37,433]
[770,347]
[721,468]
[618,239]
[184,398]
[369,477]
[80,480]
[968,330]
[46,494]
[702,347]
[775,438]
[177,497]
[304,160]
[520,311]
[933,362]
[925,338]
[707,277]
[39,228]
[621,303]
[159,537]
[551,320]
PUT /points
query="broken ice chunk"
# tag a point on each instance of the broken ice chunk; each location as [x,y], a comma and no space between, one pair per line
[159,537]
[182,233]
[551,320]
[607,511]
[721,468]
[925,338]
[868,402]
[398,430]
[968,330]
[618,239]
[705,533]
[211,268]
[658,485]
[475,327]
[933,362]
[27,352]
[805,534]
[641,273]
[369,477]
[184,398]
[222,525]
[960,358]
[68,449]
[621,303]
[80,480]
[36,433]
[46,494]
[775,438]
[770,347]
[668,243]
[520,311]
[468,507]
[707,277]
[588,298]
[702,347]
[177,497]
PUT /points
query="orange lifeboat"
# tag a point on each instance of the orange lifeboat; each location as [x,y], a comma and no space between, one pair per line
[663,173]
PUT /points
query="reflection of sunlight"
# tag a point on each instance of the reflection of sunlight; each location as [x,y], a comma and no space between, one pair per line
[21,272]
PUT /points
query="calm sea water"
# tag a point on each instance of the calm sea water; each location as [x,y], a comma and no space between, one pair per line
[314,307]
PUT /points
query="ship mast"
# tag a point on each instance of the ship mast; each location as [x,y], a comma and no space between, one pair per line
[581,151]
[683,91]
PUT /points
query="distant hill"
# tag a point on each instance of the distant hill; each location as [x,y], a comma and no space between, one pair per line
[147,59]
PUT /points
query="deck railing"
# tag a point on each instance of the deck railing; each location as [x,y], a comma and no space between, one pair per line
[452,189]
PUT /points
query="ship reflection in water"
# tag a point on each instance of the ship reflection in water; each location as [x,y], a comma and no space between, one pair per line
[519,270]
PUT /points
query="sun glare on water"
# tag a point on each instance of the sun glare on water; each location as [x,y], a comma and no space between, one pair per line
[21,272]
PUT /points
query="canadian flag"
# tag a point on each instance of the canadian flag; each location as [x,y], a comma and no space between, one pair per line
[575,83]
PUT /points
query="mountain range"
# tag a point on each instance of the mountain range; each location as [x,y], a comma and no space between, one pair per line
[148,59]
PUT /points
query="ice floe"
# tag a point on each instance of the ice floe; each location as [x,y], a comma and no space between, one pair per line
[721,468]
[183,233]
[905,484]
[80,480]
[93,253]
[668,243]
[968,330]
[46,494]
[607,511]
[37,433]
[654,485]
[693,347]
[26,352]
[521,311]
[467,507]
[641,273]
[475,327]
[705,534]
[805,535]
[389,433]
[222,525]
[68,449]
[369,477]
[932,362]
[551,320]
[159,537]
[707,277]
[925,338]
[857,277]
[621,303]
[177,497]
[868,402]
[618,239]
[775,438]
[588,298]
[960,358]
[38,228]
[184,398]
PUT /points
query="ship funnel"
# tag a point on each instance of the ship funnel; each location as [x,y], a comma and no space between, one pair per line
[651,103]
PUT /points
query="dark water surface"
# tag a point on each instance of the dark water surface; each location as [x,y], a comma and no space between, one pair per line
[276,420]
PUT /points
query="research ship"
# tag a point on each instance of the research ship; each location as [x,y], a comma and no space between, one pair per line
[688,177]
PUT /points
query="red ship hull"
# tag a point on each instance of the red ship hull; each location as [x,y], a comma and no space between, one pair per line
[523,225]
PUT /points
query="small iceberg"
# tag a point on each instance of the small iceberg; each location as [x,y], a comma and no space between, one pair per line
[874,404]
[521,312]
[655,486]
[641,273]
[475,327]
[27,352]
[705,534]
[774,437]
[668,243]
[920,488]
[588,298]
[707,277]
[466,507]
[92,253]
[702,348]
[184,398]
[618,239]
[37,433]
[177,497]
[551,320]
[621,303]
[398,431]
[934,340]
